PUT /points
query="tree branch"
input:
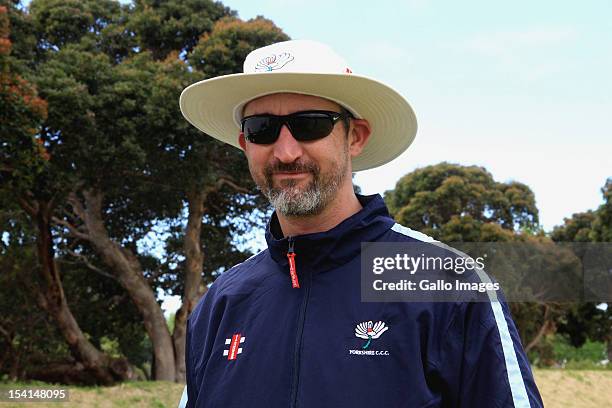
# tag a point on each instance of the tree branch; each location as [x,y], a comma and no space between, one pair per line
[232,184]
[30,209]
[73,230]
[91,266]
[544,329]
[6,334]
[76,204]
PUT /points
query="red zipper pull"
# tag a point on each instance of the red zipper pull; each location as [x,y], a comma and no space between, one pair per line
[291,256]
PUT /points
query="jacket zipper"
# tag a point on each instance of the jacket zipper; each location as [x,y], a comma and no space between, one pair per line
[295,283]
[298,340]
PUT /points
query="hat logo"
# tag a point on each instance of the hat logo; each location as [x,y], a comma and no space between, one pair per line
[273,62]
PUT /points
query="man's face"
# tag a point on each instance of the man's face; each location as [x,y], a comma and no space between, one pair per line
[299,178]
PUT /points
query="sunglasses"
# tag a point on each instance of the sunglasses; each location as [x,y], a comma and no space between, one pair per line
[304,126]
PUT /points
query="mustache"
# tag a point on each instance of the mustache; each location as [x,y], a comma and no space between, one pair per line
[294,167]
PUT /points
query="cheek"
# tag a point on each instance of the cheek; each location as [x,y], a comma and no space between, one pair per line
[340,147]
[254,154]
[257,158]
[330,155]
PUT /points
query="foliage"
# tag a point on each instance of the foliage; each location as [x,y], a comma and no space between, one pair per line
[224,49]
[462,203]
[119,324]
[22,155]
[171,26]
[587,321]
[28,338]
[589,355]
[590,226]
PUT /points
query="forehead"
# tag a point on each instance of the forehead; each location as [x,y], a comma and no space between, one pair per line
[286,103]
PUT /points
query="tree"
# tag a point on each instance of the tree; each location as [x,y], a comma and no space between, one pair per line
[454,203]
[123,160]
[586,320]
[31,345]
[23,170]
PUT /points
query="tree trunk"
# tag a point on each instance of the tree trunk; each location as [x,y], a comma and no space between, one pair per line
[10,356]
[128,271]
[64,373]
[51,298]
[547,327]
[193,278]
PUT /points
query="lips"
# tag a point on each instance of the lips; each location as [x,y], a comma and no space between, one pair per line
[289,173]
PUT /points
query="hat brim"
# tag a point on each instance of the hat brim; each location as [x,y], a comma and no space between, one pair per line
[214,106]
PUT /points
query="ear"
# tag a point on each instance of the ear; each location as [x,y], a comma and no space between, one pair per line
[359,135]
[242,141]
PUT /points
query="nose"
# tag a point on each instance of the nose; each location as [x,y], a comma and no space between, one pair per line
[286,148]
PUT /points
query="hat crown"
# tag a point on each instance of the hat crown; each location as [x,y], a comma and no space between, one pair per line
[295,56]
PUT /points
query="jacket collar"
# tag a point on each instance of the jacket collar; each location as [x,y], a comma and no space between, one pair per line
[322,251]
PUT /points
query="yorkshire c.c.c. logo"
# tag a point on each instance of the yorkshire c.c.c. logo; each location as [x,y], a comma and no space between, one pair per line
[370,331]
[273,62]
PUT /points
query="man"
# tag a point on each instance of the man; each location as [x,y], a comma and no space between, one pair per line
[287,327]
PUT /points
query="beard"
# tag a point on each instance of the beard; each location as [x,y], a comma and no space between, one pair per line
[291,200]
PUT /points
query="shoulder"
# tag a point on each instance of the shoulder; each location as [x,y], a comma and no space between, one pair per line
[456,264]
[240,278]
[244,272]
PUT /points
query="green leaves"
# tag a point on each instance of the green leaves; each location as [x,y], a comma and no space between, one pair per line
[175,25]
[590,226]
[222,51]
[61,22]
[22,154]
[461,203]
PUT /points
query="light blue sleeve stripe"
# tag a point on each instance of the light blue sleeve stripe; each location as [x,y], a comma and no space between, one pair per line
[183,401]
[515,377]
[412,233]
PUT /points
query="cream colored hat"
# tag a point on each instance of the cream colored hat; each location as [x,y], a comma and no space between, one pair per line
[215,105]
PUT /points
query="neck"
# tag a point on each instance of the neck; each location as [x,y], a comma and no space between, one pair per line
[340,208]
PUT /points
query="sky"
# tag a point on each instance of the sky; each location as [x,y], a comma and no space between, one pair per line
[522,88]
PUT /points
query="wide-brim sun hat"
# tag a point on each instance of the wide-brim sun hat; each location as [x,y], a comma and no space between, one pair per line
[215,105]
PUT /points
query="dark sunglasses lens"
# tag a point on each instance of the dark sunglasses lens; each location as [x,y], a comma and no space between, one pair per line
[311,126]
[260,130]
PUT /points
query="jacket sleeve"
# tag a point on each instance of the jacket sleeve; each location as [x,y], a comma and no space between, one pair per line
[482,361]
[188,395]
[199,340]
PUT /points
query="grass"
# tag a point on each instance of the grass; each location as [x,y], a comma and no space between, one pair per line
[575,388]
[158,394]
[559,389]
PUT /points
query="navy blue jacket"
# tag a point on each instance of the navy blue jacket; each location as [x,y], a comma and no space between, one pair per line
[254,341]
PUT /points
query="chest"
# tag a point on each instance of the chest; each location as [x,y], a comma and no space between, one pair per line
[320,346]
